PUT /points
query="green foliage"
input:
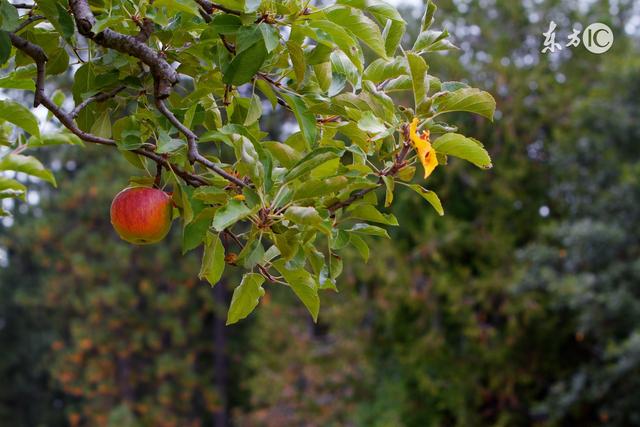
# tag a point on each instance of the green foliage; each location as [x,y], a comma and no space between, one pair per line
[281,209]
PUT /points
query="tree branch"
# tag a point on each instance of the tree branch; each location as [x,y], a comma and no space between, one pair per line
[37,54]
[102,96]
[30,20]
[23,5]
[164,75]
[192,145]
[209,7]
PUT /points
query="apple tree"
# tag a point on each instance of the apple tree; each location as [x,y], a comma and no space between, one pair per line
[180,88]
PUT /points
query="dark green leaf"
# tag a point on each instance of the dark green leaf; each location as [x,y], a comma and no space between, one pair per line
[228,215]
[212,265]
[245,297]
[303,285]
[305,118]
[469,149]
[19,115]
[466,99]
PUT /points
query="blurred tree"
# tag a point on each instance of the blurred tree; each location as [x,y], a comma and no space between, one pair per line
[447,337]
[584,272]
[125,349]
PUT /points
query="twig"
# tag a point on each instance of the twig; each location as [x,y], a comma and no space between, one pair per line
[399,163]
[209,7]
[192,145]
[158,178]
[23,5]
[102,96]
[231,48]
[263,270]
[30,20]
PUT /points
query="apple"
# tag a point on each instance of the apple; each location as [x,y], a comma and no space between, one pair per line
[142,215]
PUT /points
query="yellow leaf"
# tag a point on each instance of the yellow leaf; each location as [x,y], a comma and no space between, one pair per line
[422,144]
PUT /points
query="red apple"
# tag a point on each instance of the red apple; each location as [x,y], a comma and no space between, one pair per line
[141,215]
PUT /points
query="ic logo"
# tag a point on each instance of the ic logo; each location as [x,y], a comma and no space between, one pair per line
[597,38]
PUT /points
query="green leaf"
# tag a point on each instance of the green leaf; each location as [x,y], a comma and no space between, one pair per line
[245,297]
[433,41]
[360,25]
[254,112]
[127,134]
[228,215]
[102,126]
[302,284]
[270,35]
[19,115]
[370,123]
[341,64]
[418,69]
[246,37]
[177,6]
[8,16]
[312,160]
[195,231]
[388,16]
[304,215]
[58,16]
[286,155]
[167,144]
[430,197]
[287,243]
[26,164]
[383,69]
[389,184]
[11,188]
[427,18]
[323,74]
[212,265]
[305,118]
[320,187]
[245,65]
[369,229]
[469,149]
[58,138]
[360,245]
[16,80]
[222,24]
[370,213]
[467,99]
[297,59]
[5,49]
[341,37]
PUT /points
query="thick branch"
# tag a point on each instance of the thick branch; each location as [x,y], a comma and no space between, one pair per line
[163,74]
[40,58]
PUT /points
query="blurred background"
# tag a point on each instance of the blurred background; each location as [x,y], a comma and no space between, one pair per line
[519,307]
